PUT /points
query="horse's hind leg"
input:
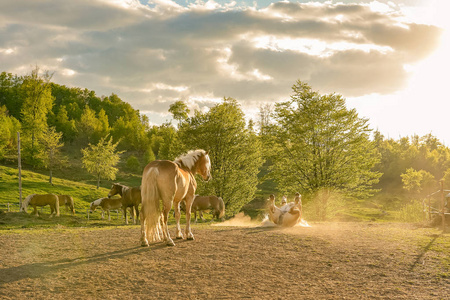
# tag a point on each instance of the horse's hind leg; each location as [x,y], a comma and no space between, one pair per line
[177,215]
[167,206]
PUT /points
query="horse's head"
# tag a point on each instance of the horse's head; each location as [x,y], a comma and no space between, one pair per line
[204,166]
[95,203]
[298,198]
[115,189]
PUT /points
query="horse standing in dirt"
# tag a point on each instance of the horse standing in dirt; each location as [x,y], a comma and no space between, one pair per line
[67,201]
[131,197]
[202,203]
[41,200]
[170,181]
[107,204]
[288,215]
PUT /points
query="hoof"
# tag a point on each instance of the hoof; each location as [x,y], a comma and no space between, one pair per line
[190,238]
[179,237]
[170,243]
[144,244]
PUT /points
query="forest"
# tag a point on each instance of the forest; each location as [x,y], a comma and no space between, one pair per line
[311,143]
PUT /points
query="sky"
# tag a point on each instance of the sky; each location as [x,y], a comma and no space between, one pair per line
[389,59]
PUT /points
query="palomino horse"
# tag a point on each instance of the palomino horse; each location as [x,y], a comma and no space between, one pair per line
[131,197]
[202,203]
[107,204]
[170,181]
[67,201]
[41,200]
[288,215]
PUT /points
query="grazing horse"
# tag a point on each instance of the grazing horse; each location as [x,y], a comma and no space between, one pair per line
[41,200]
[67,201]
[107,204]
[202,203]
[170,181]
[131,197]
[288,215]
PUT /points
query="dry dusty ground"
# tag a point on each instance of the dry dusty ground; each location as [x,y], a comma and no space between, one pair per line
[325,261]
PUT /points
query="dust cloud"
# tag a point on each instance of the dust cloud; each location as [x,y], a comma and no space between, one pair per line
[241,220]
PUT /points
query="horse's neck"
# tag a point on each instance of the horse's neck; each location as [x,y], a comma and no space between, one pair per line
[123,189]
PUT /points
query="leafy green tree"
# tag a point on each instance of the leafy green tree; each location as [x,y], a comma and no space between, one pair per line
[101,159]
[179,111]
[38,102]
[234,150]
[419,183]
[64,125]
[9,127]
[52,157]
[320,144]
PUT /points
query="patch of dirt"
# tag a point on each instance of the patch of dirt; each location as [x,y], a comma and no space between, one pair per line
[325,261]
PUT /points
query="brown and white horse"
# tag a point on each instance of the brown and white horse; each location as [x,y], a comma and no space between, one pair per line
[170,182]
[41,200]
[67,201]
[288,215]
[107,204]
[131,197]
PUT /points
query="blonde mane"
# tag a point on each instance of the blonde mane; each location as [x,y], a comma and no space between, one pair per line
[189,159]
[27,201]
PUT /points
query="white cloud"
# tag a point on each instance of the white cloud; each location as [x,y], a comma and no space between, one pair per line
[154,54]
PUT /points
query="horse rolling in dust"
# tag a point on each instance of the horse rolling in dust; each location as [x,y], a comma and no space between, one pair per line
[288,215]
[170,182]
[202,203]
[131,197]
[107,204]
[67,201]
[41,200]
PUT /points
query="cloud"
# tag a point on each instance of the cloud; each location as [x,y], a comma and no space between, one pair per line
[154,54]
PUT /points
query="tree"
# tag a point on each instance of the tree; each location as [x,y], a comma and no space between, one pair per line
[38,101]
[52,143]
[179,111]
[419,183]
[101,159]
[234,150]
[8,128]
[322,145]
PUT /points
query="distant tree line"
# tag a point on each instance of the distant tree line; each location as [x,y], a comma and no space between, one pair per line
[311,143]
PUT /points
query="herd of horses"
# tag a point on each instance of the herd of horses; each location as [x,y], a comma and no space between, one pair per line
[165,184]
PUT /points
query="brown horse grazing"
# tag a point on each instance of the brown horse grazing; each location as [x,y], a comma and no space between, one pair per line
[202,203]
[41,200]
[107,204]
[67,201]
[170,181]
[131,197]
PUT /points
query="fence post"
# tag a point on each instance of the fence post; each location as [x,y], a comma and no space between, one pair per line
[19,162]
[443,205]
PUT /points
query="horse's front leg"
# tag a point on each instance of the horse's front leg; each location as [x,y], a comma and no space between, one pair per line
[189,200]
[177,215]
[124,209]
[109,215]
[35,211]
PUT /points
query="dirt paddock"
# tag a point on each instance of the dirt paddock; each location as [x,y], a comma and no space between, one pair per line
[325,261]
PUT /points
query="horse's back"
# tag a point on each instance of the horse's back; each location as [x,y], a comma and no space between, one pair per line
[45,199]
[111,203]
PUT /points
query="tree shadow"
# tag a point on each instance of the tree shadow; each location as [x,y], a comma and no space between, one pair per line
[35,270]
[419,259]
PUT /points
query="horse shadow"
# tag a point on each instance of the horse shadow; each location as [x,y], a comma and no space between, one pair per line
[36,270]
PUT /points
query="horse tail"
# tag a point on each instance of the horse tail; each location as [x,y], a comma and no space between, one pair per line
[222,208]
[26,202]
[150,211]
[56,204]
